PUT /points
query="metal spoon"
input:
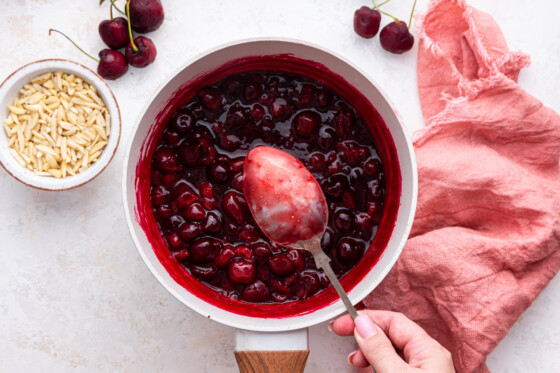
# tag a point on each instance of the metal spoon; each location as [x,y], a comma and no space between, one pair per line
[289,206]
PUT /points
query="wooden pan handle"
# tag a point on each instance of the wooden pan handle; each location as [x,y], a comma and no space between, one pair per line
[271,361]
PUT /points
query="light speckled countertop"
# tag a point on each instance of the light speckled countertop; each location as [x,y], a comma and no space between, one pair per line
[76,295]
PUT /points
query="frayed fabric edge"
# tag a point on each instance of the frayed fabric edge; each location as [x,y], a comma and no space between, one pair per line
[498,69]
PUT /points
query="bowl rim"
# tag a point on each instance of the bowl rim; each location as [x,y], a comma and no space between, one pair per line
[119,132]
[288,323]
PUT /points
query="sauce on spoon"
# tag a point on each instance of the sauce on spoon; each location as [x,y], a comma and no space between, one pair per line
[284,198]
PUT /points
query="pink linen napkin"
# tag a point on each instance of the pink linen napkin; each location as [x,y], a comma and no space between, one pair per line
[486,236]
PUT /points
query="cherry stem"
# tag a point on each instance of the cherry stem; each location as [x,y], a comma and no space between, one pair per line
[111,10]
[375,6]
[383,3]
[134,47]
[76,45]
[117,8]
[411,13]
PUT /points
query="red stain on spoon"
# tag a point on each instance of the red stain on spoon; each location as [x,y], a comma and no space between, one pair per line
[283,196]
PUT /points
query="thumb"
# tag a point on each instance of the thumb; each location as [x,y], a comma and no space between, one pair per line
[376,347]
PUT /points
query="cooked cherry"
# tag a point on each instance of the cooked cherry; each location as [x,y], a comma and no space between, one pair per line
[188,231]
[241,271]
[235,206]
[182,195]
[256,292]
[365,223]
[236,117]
[296,256]
[206,189]
[182,255]
[207,273]
[210,98]
[327,241]
[219,172]
[281,265]
[375,190]
[349,250]
[309,282]
[252,92]
[344,119]
[306,123]
[201,135]
[163,212]
[306,95]
[171,137]
[231,86]
[238,182]
[169,180]
[261,251]
[244,251]
[352,153]
[229,142]
[280,109]
[327,138]
[344,221]
[175,242]
[159,196]
[366,22]
[225,256]
[205,250]
[257,112]
[372,167]
[316,161]
[207,153]
[335,186]
[212,224]
[183,121]
[324,99]
[166,160]
[249,233]
[349,199]
[194,212]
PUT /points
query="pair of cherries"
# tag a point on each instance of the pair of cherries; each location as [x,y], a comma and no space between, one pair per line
[395,37]
[143,16]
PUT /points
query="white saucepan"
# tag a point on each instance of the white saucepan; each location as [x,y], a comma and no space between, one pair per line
[272,339]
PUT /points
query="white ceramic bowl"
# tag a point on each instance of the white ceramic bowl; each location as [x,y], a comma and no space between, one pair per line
[192,73]
[10,89]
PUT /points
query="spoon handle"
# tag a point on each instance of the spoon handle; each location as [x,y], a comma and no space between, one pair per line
[322,261]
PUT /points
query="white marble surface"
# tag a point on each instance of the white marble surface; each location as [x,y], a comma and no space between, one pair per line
[75,294]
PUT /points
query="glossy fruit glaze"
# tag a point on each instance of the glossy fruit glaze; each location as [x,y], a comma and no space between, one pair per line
[197,183]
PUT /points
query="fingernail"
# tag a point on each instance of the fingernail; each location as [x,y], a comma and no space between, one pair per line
[329,326]
[365,326]
[351,357]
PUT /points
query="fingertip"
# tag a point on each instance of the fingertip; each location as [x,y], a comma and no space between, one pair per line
[343,326]
[357,359]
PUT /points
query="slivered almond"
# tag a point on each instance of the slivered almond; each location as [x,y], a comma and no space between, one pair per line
[58,125]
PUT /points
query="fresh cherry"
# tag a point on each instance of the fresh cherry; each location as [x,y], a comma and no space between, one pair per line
[396,38]
[111,64]
[366,22]
[145,15]
[141,52]
[114,32]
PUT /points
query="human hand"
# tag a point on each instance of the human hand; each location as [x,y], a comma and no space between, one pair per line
[376,339]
